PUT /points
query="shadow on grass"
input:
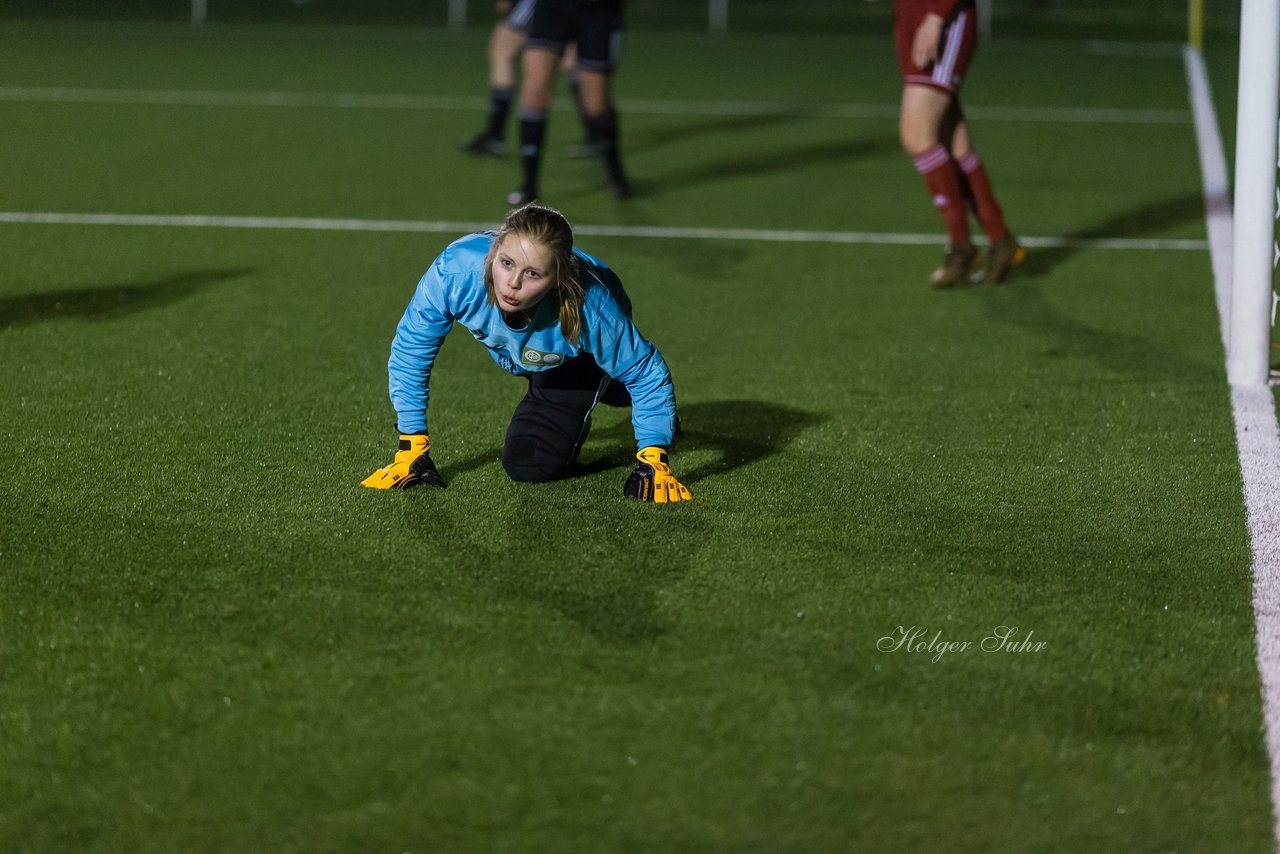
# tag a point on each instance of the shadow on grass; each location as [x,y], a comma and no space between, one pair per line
[739,432]
[712,126]
[107,302]
[601,564]
[1143,220]
[1065,337]
[766,162]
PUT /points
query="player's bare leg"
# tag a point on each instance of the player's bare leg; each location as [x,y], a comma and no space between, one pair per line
[505,44]
[602,126]
[537,87]
[923,113]
[569,65]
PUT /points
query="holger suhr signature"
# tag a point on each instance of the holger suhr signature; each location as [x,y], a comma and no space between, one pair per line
[919,639]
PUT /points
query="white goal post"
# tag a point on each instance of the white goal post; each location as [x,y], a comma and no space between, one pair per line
[1255,252]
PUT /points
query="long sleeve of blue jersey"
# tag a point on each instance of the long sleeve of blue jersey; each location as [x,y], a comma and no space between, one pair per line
[420,333]
[611,336]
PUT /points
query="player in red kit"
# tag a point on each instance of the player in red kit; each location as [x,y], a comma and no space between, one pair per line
[935,41]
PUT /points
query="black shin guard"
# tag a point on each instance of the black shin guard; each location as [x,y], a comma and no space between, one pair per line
[603,130]
[499,109]
[533,131]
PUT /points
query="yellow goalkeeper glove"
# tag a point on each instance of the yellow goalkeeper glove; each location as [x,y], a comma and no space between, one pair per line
[412,467]
[652,479]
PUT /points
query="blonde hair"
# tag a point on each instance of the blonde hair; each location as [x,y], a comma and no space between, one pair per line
[548,228]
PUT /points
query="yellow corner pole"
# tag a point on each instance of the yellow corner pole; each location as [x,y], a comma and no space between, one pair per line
[1195,24]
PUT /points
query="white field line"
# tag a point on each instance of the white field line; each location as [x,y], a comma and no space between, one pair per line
[1257,432]
[367,101]
[405,226]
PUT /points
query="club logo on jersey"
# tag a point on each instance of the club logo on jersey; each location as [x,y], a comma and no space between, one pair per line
[531,356]
[478,333]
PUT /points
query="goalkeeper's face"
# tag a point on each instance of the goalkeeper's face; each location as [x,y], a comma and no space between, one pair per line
[521,273]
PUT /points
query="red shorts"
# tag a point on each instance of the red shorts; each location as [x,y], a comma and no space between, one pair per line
[955,49]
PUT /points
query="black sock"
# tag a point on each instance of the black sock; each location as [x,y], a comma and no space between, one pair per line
[499,108]
[603,132]
[577,102]
[533,130]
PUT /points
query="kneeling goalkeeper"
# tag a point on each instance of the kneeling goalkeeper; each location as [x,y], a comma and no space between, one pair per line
[554,315]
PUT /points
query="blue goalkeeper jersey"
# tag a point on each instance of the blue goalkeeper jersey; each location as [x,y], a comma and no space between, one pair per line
[453,291]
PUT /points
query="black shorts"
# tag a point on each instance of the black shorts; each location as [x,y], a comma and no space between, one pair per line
[552,421]
[594,25]
[521,16]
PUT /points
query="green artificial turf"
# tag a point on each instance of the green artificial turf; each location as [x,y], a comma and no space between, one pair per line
[212,639]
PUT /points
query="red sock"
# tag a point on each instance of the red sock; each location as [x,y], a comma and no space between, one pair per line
[943,180]
[985,205]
